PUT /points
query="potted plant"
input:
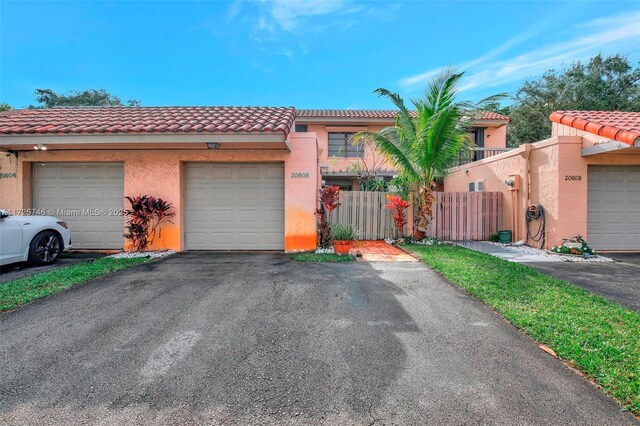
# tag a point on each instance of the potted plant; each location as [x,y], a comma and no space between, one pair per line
[343,236]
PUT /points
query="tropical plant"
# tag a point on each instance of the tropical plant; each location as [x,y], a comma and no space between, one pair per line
[329,201]
[575,245]
[369,167]
[397,206]
[399,185]
[143,219]
[424,144]
[344,233]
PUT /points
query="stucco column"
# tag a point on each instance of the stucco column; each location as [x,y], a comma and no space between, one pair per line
[301,192]
[158,175]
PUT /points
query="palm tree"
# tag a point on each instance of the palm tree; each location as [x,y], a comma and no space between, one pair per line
[424,144]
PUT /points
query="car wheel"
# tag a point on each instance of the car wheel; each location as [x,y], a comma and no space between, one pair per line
[45,248]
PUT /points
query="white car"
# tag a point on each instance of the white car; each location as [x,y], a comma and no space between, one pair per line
[37,239]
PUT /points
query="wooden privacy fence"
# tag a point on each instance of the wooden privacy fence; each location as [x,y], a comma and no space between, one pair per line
[456,215]
[366,212]
[466,215]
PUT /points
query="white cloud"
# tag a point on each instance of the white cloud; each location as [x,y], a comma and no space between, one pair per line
[614,34]
[284,27]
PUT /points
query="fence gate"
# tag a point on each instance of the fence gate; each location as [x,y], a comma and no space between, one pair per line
[366,212]
[466,215]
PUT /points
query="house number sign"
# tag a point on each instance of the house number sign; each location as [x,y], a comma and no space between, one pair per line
[300,175]
[8,175]
[572,177]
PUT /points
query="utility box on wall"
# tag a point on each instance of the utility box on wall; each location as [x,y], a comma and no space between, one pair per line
[514,182]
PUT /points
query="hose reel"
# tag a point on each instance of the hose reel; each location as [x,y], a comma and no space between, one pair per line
[535,212]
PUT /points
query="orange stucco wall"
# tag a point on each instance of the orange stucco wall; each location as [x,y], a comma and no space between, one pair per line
[160,173]
[495,137]
[342,163]
[553,167]
[588,139]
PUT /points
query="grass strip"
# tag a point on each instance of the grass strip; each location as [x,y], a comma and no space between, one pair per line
[595,335]
[320,257]
[24,290]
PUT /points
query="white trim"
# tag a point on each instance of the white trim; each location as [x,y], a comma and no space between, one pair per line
[604,147]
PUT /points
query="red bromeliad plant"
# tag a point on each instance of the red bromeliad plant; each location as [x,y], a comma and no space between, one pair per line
[329,201]
[144,218]
[397,206]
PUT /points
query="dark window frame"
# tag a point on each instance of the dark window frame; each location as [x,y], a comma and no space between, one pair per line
[340,145]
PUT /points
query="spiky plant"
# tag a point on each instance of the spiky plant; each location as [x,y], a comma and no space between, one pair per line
[426,142]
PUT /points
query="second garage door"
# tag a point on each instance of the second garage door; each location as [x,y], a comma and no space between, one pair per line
[234,206]
[89,197]
[613,215]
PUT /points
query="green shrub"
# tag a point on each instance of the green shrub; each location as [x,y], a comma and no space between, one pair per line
[343,233]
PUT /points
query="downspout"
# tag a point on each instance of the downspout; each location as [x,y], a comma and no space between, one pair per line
[525,152]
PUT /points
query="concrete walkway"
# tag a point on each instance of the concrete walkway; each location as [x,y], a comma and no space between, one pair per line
[379,251]
[507,253]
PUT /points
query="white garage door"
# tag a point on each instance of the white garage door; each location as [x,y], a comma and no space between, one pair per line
[89,197]
[234,206]
[613,221]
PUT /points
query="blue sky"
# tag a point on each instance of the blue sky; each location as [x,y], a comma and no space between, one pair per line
[309,54]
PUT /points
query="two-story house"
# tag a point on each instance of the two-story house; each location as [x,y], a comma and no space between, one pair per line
[341,163]
[239,178]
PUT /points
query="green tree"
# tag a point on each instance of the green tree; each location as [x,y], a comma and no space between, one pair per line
[602,84]
[4,106]
[426,143]
[48,98]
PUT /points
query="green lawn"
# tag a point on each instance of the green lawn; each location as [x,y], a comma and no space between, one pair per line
[595,335]
[320,257]
[24,290]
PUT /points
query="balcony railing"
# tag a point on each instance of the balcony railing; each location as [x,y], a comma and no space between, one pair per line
[479,154]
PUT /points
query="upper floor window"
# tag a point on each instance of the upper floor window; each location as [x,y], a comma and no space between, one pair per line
[341,145]
[301,128]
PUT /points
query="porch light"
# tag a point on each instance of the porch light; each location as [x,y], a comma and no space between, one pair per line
[40,147]
[324,169]
[213,145]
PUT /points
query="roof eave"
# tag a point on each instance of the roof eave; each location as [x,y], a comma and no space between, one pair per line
[150,138]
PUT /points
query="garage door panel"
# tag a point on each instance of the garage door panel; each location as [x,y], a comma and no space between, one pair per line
[243,205]
[248,173]
[613,212]
[88,192]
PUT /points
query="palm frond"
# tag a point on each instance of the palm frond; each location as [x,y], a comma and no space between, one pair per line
[390,144]
[403,118]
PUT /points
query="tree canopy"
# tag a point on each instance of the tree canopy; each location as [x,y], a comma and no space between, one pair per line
[47,98]
[602,84]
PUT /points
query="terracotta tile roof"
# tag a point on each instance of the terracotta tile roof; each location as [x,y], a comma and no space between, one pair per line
[490,115]
[615,125]
[147,119]
[376,113]
[347,113]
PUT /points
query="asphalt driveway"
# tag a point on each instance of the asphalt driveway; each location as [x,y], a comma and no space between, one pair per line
[618,281]
[203,338]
